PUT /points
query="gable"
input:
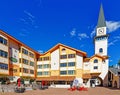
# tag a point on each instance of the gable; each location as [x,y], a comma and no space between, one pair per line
[95,57]
[65,50]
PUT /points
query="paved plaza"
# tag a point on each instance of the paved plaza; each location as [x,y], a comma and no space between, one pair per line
[64,91]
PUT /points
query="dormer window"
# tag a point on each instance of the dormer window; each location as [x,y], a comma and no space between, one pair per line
[63,49]
[96,61]
[101,50]
[103,61]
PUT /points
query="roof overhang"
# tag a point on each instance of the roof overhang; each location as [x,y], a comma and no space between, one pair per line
[56,78]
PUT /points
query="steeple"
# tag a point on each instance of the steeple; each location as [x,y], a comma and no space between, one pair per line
[101,19]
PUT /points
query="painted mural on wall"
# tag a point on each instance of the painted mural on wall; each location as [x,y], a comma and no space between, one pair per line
[14,55]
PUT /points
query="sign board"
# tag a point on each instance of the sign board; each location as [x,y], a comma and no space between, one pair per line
[26,82]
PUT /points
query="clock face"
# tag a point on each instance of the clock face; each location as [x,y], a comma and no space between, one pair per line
[100,31]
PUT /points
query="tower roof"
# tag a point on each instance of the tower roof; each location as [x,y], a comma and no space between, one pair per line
[101,19]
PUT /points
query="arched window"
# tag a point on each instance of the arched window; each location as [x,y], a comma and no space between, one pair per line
[63,49]
[95,61]
[101,50]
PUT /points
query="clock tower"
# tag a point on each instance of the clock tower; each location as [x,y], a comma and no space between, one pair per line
[101,38]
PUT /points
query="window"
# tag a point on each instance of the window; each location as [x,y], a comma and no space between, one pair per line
[101,50]
[46,66]
[31,63]
[39,66]
[63,64]
[103,61]
[3,66]
[25,70]
[71,72]
[31,71]
[95,67]
[20,69]
[31,54]
[39,73]
[25,61]
[20,60]
[112,76]
[3,54]
[45,58]
[63,72]
[96,61]
[63,49]
[24,51]
[19,49]
[118,73]
[45,73]
[40,59]
[14,70]
[71,63]
[71,55]
[3,41]
[63,56]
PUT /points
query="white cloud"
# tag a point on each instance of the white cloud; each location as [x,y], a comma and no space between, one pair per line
[64,35]
[110,60]
[28,13]
[40,51]
[90,26]
[112,43]
[29,19]
[93,32]
[82,36]
[117,37]
[36,26]
[81,46]
[73,33]
[29,22]
[25,31]
[24,21]
[112,25]
[22,34]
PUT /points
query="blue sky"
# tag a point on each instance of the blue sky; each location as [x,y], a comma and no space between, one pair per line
[41,24]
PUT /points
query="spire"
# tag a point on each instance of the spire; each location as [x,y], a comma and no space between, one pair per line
[101,20]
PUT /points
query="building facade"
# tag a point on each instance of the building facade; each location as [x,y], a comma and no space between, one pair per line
[16,59]
[59,65]
[114,77]
[63,64]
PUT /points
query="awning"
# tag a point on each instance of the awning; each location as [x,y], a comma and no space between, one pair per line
[56,78]
[90,75]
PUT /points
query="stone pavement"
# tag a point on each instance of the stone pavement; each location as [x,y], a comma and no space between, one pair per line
[64,91]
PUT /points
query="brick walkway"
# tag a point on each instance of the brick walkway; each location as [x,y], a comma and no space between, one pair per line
[63,91]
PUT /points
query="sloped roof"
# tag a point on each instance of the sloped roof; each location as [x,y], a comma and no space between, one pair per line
[114,70]
[97,55]
[86,59]
[101,19]
[19,42]
[59,44]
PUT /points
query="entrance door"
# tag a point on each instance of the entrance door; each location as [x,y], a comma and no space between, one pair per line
[92,82]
